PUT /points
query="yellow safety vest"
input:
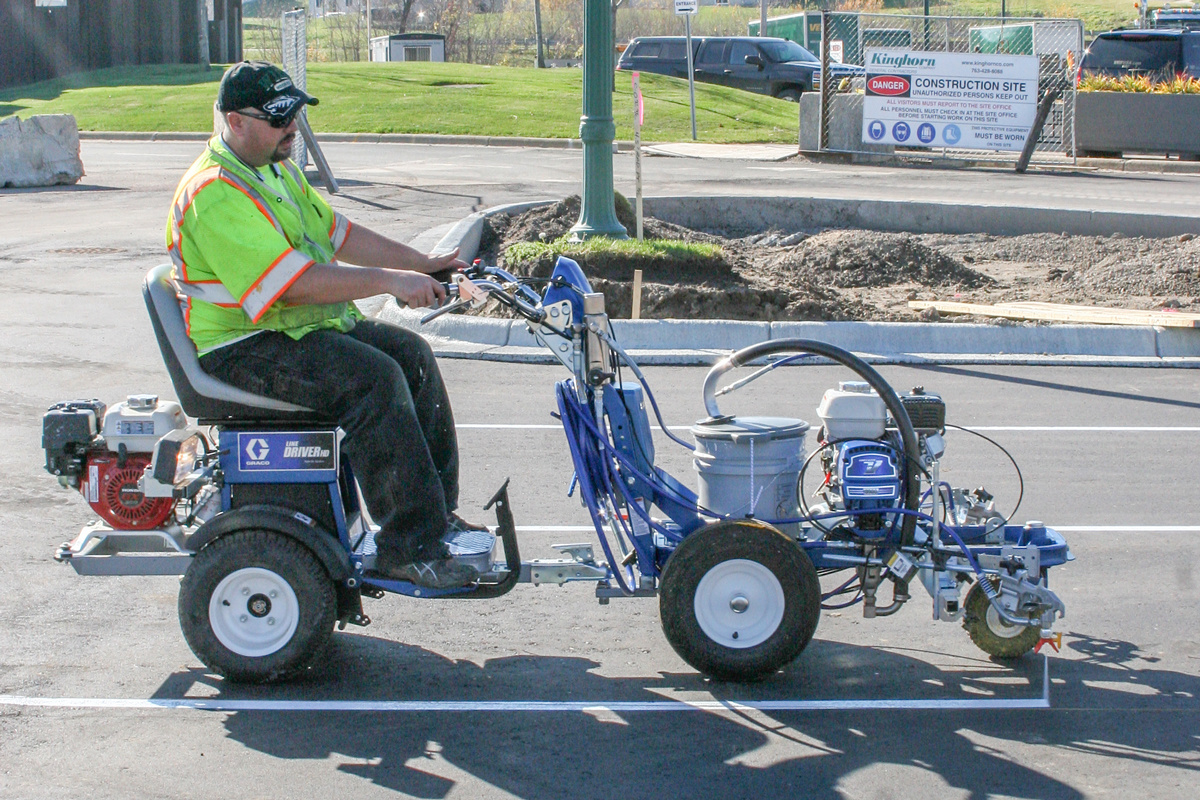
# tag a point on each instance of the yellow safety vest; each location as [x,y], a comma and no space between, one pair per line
[238,244]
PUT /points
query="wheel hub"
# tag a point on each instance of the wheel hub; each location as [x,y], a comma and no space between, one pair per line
[259,605]
[739,603]
[1001,628]
[254,612]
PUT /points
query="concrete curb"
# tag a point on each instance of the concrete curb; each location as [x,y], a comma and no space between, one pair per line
[705,341]
[666,149]
[654,341]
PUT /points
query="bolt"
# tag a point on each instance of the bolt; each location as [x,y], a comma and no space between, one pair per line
[273,594]
[739,604]
[243,618]
[245,590]
[270,620]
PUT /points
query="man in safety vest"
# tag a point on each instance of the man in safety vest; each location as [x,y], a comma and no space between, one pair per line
[261,269]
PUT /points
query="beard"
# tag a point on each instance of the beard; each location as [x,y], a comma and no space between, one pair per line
[284,149]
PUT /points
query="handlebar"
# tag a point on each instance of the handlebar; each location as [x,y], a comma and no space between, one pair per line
[488,282]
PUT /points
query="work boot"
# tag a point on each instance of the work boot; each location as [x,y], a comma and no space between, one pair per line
[456,524]
[440,572]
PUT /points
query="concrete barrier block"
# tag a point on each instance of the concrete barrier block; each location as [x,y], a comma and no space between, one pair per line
[40,151]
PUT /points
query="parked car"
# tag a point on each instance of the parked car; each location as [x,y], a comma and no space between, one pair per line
[777,67]
[1160,53]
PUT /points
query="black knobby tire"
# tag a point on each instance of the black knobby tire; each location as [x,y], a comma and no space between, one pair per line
[791,94]
[282,632]
[993,635]
[740,559]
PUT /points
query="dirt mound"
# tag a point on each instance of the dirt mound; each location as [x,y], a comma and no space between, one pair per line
[848,259]
[864,275]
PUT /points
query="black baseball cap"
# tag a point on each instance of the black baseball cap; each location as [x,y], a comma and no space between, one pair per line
[264,86]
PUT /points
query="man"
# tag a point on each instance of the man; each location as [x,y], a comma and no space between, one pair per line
[261,265]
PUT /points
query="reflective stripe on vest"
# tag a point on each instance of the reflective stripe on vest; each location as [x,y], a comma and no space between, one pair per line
[185,197]
[338,231]
[270,285]
[273,283]
[209,291]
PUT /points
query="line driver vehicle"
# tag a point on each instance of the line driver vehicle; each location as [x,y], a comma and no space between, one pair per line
[258,512]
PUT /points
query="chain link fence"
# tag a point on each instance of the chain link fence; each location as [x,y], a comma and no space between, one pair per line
[974,111]
[295,63]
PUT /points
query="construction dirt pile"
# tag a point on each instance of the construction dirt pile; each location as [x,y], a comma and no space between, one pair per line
[863,275]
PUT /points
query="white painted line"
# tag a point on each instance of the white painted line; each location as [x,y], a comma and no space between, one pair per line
[1061,528]
[1127,528]
[542,528]
[1085,428]
[1008,428]
[532,706]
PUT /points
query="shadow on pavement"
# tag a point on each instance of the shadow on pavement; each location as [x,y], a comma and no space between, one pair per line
[734,752]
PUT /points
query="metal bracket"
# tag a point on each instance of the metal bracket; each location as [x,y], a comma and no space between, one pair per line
[560,570]
[582,552]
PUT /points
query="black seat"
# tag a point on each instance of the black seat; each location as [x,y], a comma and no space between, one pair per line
[201,395]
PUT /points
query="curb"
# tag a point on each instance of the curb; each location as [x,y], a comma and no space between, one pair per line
[671,341]
[657,148]
[691,342]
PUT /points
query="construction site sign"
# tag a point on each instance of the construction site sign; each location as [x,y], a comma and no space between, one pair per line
[969,101]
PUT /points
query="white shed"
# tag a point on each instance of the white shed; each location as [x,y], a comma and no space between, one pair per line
[409,47]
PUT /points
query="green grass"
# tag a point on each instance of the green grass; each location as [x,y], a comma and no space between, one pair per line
[412,98]
[1097,15]
[650,249]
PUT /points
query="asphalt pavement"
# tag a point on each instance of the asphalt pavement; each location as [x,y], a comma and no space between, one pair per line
[535,695]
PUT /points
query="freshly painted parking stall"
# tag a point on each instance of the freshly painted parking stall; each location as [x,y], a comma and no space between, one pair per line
[1123,693]
[492,699]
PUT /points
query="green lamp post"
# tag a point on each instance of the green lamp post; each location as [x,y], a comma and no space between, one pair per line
[597,215]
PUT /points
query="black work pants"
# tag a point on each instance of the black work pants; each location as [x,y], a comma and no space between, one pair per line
[382,384]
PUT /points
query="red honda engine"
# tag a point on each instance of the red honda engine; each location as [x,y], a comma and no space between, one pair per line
[103,452]
[112,492]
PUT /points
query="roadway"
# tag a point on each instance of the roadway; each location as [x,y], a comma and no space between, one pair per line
[1108,455]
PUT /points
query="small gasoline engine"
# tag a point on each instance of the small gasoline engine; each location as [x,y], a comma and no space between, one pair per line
[103,452]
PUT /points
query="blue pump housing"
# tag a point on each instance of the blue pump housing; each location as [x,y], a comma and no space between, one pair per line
[569,271]
[869,476]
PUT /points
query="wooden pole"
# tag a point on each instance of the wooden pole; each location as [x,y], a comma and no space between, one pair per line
[637,294]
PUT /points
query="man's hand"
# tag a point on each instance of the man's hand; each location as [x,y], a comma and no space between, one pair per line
[445,264]
[415,289]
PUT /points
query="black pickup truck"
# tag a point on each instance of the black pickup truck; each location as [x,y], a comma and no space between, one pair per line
[778,67]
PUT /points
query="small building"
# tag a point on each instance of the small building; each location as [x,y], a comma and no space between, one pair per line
[409,47]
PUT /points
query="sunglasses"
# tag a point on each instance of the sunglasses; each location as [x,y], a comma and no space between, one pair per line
[274,122]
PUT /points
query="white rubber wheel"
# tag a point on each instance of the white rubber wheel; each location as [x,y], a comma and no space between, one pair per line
[739,600]
[739,603]
[253,612]
[257,606]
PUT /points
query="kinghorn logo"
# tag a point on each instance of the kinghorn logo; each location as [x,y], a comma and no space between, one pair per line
[901,61]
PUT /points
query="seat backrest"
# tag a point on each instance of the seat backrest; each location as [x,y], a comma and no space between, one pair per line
[200,394]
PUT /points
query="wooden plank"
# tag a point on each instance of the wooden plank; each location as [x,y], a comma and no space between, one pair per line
[1054,312]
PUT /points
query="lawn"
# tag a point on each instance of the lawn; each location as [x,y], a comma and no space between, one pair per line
[412,98]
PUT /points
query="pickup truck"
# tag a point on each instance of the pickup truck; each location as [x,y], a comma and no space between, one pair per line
[777,67]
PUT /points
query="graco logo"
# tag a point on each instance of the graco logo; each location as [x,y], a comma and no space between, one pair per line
[257,450]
